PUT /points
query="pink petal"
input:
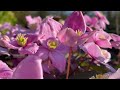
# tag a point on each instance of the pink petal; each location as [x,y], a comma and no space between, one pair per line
[58,60]
[29,68]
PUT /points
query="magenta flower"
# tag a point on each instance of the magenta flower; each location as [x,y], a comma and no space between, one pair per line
[24,43]
[98,22]
[29,68]
[33,23]
[73,28]
[75,21]
[101,38]
[5,71]
[54,51]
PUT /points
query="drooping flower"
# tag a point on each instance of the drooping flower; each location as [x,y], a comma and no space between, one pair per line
[29,68]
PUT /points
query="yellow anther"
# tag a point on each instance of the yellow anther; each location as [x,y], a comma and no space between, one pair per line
[21,39]
[102,37]
[79,33]
[52,44]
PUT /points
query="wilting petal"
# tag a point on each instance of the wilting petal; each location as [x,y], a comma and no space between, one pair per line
[76,21]
[115,75]
[5,71]
[68,37]
[104,43]
[29,49]
[58,60]
[42,53]
[29,68]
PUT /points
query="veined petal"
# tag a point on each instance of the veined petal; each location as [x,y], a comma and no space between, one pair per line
[5,71]
[29,68]
[58,60]
[29,49]
[42,53]
[104,43]
[76,21]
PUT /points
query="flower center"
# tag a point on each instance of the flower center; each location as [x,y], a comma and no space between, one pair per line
[102,37]
[52,44]
[21,39]
[79,33]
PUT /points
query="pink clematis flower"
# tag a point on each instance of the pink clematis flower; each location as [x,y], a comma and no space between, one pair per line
[49,28]
[33,23]
[23,42]
[72,29]
[101,38]
[54,51]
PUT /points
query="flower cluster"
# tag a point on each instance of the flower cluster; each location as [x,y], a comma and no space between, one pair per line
[47,48]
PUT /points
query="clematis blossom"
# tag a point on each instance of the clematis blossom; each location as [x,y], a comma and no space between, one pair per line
[72,29]
[54,51]
[49,27]
[33,23]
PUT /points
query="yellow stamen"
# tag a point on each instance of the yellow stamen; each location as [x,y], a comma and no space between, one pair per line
[52,44]
[102,37]
[21,39]
[79,33]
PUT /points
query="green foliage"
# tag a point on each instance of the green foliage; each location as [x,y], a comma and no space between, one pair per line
[7,16]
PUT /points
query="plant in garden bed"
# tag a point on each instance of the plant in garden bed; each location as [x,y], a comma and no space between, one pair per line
[51,50]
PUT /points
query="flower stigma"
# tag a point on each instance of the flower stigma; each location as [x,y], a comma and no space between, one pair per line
[52,44]
[21,39]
